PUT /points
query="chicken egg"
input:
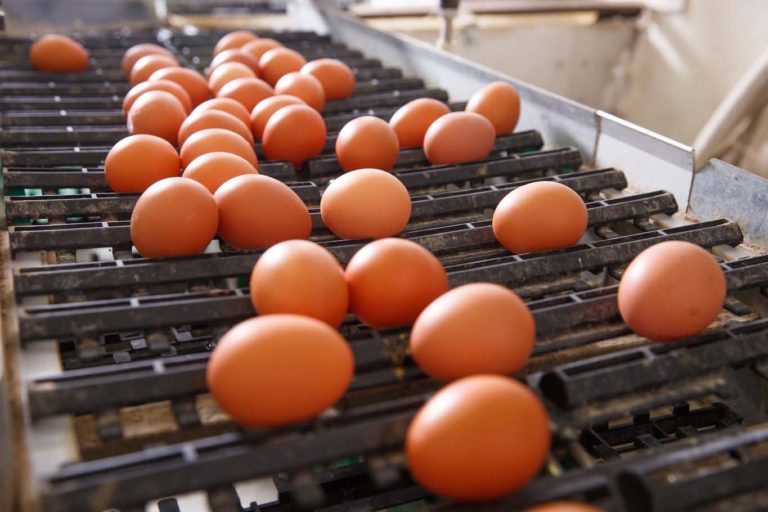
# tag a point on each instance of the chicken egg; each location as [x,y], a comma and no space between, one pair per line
[157,85]
[671,290]
[540,216]
[173,217]
[295,133]
[247,91]
[212,170]
[478,328]
[263,111]
[302,278]
[227,105]
[239,56]
[138,161]
[58,54]
[367,142]
[336,77]
[392,280]
[134,53]
[412,120]
[278,62]
[157,113]
[366,203]
[499,103]
[147,65]
[216,139]
[192,82]
[279,369]
[306,87]
[226,73]
[256,212]
[260,46]
[233,40]
[478,438]
[564,506]
[459,137]
[206,119]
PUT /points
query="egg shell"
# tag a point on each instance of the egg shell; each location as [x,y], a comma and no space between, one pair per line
[157,113]
[306,87]
[392,280]
[671,290]
[295,133]
[247,91]
[134,53]
[366,203]
[192,82]
[336,77]
[459,137]
[212,170]
[499,103]
[226,73]
[304,367]
[256,212]
[300,277]
[540,216]
[367,142]
[479,328]
[227,105]
[235,39]
[138,161]
[146,66]
[412,120]
[157,85]
[207,119]
[478,439]
[173,217]
[260,46]
[216,139]
[262,112]
[234,55]
[278,62]
[58,54]
[564,506]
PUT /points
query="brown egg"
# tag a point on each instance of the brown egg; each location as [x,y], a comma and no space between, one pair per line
[366,203]
[337,78]
[301,278]
[173,217]
[671,290]
[277,62]
[192,82]
[306,360]
[478,328]
[157,113]
[234,39]
[146,66]
[226,73]
[499,103]
[138,161]
[392,280]
[540,216]
[478,438]
[239,56]
[157,85]
[206,119]
[260,46]
[367,142]
[564,506]
[227,105]
[216,139]
[58,54]
[212,170]
[295,133]
[412,120]
[459,137]
[256,212]
[247,91]
[134,53]
[306,87]
[263,111]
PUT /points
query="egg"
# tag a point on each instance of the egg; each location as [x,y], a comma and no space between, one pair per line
[227,105]
[134,53]
[216,139]
[392,280]
[540,216]
[260,46]
[306,87]
[207,119]
[367,142]
[295,133]
[479,328]
[58,54]
[302,278]
[235,39]
[192,82]
[173,217]
[278,62]
[256,212]
[238,56]
[146,66]
[212,170]
[412,120]
[157,85]
[226,73]
[138,161]
[478,439]
[564,506]
[366,203]
[459,137]
[499,103]
[336,77]
[263,111]
[247,91]
[157,113]
[279,369]
[671,290]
